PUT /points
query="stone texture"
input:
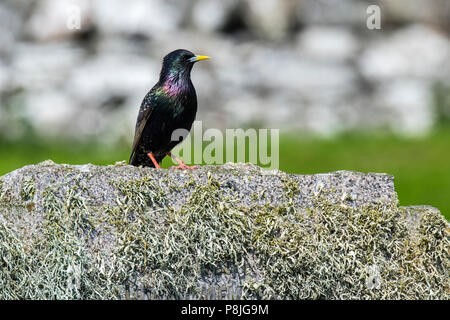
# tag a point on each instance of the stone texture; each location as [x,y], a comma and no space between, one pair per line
[240,180]
[231,231]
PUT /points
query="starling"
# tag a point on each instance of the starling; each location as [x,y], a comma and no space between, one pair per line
[170,105]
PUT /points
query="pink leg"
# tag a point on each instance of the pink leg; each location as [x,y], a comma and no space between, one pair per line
[181,164]
[155,163]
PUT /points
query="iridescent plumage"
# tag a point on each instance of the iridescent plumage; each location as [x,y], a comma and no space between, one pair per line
[171,104]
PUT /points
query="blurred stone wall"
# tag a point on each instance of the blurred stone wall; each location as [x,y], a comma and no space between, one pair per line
[307,64]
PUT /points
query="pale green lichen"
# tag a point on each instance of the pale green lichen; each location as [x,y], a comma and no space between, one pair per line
[5,193]
[2,186]
[28,188]
[330,251]
[290,186]
[140,194]
[48,269]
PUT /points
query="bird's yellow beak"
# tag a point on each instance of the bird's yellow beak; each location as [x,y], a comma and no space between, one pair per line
[199,58]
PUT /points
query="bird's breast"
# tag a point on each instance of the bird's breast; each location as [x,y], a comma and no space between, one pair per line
[184,105]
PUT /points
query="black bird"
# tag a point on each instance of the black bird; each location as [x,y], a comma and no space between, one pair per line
[171,104]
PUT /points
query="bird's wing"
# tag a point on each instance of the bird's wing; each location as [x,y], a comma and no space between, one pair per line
[144,114]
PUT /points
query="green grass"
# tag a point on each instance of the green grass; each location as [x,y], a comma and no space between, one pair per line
[421,166]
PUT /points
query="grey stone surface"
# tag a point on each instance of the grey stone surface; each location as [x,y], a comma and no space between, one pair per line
[241,181]
[231,231]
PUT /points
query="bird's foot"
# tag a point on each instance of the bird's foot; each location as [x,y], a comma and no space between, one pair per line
[181,165]
[184,167]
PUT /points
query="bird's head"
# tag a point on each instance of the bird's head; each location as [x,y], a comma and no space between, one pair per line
[179,63]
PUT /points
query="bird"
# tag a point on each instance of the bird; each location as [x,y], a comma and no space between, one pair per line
[170,105]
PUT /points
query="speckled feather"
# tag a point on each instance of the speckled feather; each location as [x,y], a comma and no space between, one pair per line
[171,104]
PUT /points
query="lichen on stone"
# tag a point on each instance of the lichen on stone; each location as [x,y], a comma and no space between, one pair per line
[141,193]
[2,186]
[28,188]
[165,234]
[290,186]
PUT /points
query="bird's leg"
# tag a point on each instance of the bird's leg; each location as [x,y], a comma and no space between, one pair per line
[155,163]
[181,164]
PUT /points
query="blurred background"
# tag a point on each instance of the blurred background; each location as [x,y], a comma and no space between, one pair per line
[73,75]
